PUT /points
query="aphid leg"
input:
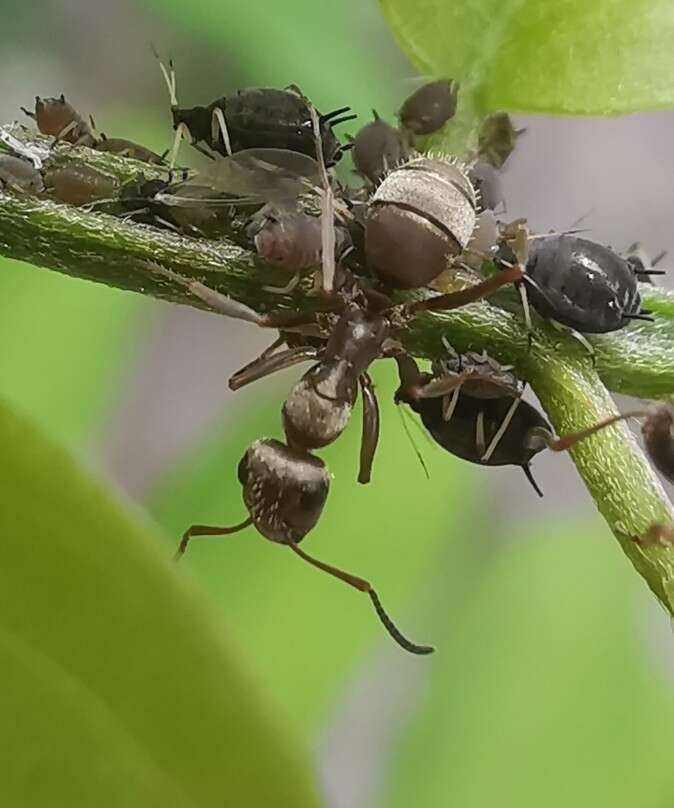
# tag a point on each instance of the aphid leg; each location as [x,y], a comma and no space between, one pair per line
[577,336]
[522,289]
[181,132]
[480,439]
[215,300]
[449,404]
[500,432]
[28,113]
[454,300]
[63,134]
[364,586]
[287,289]
[327,209]
[208,530]
[219,127]
[265,366]
[370,433]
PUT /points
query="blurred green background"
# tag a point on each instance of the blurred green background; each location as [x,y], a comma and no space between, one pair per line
[553,682]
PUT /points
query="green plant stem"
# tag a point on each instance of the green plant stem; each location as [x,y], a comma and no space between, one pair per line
[638,360]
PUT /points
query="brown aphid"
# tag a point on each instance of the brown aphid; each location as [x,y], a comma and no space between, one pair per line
[56,117]
[127,148]
[79,184]
[293,240]
[377,148]
[430,107]
[497,138]
[422,215]
[19,175]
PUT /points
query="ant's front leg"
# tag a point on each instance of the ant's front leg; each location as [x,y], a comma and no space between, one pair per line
[370,433]
[267,364]
[223,304]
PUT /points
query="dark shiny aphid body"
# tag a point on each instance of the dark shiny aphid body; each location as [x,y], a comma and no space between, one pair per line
[127,148]
[56,117]
[581,284]
[261,118]
[487,423]
[79,184]
[377,148]
[284,490]
[19,175]
[458,435]
[430,107]
[421,216]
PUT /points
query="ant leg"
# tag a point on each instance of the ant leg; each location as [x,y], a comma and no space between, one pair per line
[370,433]
[266,365]
[411,378]
[219,127]
[208,530]
[565,442]
[217,301]
[453,300]
[365,586]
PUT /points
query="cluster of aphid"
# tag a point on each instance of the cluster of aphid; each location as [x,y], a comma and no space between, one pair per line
[413,218]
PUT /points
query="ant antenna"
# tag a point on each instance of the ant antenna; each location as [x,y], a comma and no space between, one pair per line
[364,586]
[403,417]
[327,208]
[207,530]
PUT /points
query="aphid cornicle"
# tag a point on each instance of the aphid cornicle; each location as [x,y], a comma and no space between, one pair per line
[421,216]
[377,148]
[430,107]
[581,284]
[56,117]
[486,421]
[19,175]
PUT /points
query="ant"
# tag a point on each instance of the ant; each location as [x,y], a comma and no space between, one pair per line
[285,486]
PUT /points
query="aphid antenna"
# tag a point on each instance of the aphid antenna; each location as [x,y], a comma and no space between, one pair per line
[364,586]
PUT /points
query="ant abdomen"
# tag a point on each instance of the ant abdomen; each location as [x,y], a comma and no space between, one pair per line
[284,490]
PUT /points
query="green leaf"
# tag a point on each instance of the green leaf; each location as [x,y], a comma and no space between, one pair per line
[117,685]
[564,57]
[303,630]
[543,692]
[63,343]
